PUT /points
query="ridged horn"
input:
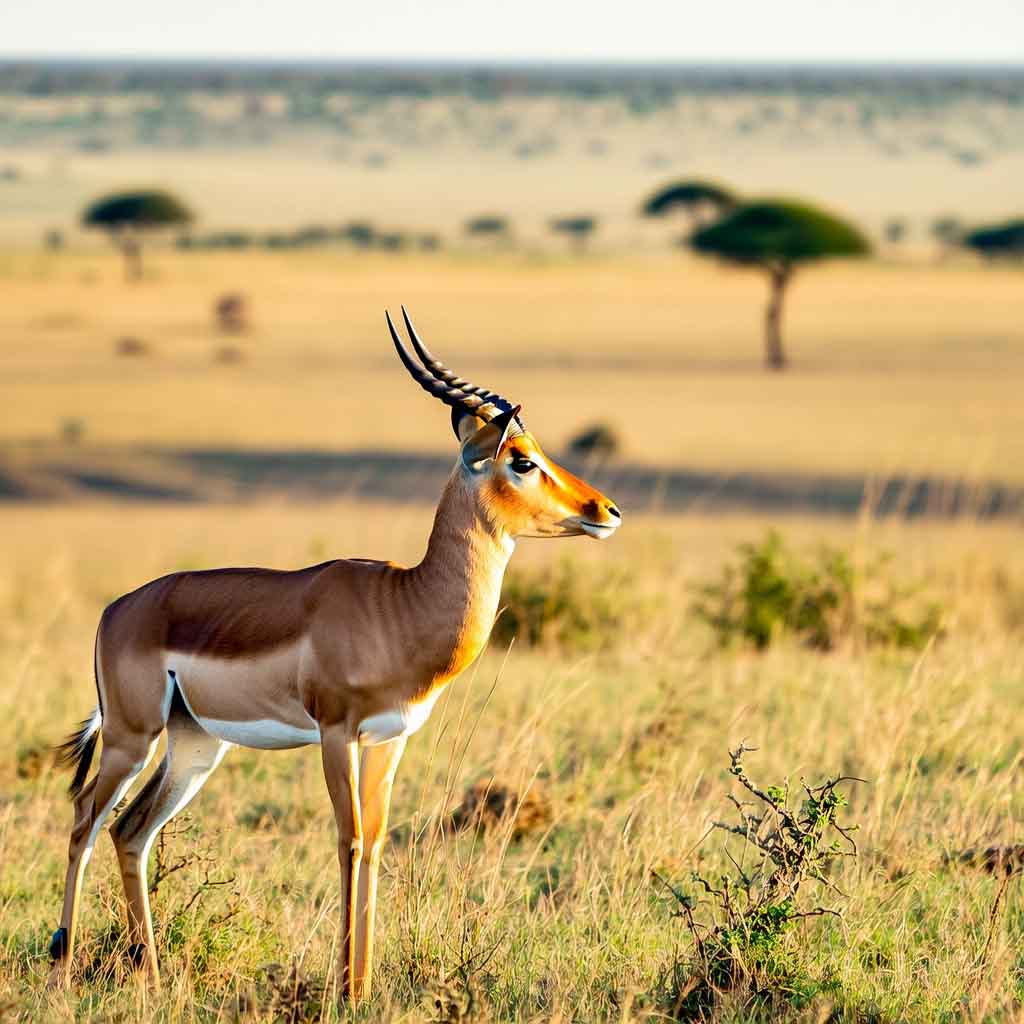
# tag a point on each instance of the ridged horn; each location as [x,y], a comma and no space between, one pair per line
[464,397]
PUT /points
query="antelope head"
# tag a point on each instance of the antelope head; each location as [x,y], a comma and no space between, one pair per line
[518,487]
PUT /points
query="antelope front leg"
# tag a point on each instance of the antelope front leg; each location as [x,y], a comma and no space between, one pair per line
[376,779]
[341,768]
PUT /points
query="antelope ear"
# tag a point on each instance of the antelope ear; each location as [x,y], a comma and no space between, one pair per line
[485,442]
[465,424]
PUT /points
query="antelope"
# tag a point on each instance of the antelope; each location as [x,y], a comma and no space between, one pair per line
[351,654]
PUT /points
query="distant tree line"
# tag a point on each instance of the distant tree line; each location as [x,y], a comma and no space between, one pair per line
[358,234]
[637,84]
[776,236]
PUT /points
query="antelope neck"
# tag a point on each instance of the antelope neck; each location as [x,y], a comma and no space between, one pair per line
[466,557]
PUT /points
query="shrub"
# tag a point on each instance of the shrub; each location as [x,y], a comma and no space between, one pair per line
[360,233]
[559,606]
[391,241]
[598,441]
[577,229]
[895,230]
[231,313]
[771,592]
[312,234]
[129,346]
[488,224]
[489,803]
[741,948]
[72,430]
[228,355]
[947,229]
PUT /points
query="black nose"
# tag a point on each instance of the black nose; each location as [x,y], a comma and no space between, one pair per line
[612,510]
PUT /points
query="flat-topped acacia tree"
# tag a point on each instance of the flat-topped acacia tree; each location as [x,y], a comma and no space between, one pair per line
[998,241]
[778,236]
[126,216]
[695,196]
[577,229]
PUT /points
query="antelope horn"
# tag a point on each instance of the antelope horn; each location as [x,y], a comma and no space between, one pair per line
[436,368]
[436,379]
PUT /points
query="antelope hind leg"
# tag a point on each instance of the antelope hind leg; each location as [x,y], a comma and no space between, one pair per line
[192,755]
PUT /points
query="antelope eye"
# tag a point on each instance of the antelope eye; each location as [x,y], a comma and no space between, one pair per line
[521,465]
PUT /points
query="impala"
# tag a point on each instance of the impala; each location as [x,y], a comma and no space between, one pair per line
[351,654]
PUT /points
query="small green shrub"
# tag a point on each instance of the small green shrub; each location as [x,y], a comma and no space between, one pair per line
[561,606]
[770,592]
[740,924]
[599,441]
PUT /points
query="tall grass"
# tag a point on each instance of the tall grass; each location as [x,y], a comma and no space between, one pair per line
[624,741]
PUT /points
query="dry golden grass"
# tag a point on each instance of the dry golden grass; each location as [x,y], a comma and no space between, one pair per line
[896,368]
[630,748]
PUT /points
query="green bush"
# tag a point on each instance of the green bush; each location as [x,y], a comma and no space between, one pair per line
[744,948]
[822,601]
[562,606]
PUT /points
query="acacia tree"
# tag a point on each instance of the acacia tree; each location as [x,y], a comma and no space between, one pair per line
[577,229]
[490,226]
[998,240]
[126,216]
[696,197]
[778,236]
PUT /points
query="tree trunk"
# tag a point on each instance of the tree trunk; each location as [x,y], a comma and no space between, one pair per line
[774,355]
[132,252]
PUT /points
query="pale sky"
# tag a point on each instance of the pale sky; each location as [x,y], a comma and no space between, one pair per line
[631,30]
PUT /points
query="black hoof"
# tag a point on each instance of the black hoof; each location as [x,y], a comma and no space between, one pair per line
[137,954]
[59,944]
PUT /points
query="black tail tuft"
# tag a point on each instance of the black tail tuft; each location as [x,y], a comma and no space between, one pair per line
[78,749]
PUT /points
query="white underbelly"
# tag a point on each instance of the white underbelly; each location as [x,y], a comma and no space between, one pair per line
[217,695]
[261,733]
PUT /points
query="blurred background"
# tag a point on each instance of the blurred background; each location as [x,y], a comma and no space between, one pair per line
[196,252]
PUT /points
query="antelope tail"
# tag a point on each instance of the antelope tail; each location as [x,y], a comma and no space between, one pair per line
[78,749]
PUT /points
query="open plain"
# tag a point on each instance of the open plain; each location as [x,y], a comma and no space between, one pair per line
[138,438]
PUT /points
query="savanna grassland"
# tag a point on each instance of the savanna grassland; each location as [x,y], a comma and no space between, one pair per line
[613,733]
[599,724]
[897,369]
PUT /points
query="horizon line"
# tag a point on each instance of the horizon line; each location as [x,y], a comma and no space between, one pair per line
[532,62]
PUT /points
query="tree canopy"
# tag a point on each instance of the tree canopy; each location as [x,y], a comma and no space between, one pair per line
[581,225]
[778,235]
[487,224]
[998,239]
[687,195]
[149,208]
[770,232]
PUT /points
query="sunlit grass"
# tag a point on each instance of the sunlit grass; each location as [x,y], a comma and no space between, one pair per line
[628,744]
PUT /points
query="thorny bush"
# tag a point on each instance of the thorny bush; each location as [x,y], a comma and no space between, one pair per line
[739,922]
